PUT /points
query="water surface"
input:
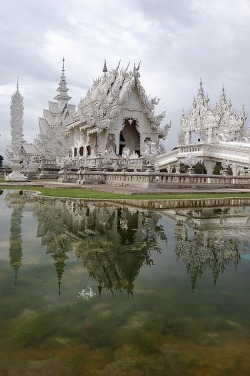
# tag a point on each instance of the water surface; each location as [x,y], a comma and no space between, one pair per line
[102,289]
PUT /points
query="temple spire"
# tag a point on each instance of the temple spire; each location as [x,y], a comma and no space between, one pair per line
[201,99]
[62,88]
[105,69]
[63,70]
[201,90]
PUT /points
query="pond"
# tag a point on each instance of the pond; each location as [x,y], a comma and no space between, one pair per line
[90,288]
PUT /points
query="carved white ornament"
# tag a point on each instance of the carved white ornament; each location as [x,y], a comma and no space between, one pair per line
[191,160]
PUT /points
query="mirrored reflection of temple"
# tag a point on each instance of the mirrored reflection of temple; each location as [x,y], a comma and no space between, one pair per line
[211,238]
[113,243]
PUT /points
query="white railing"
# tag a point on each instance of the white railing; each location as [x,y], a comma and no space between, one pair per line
[154,179]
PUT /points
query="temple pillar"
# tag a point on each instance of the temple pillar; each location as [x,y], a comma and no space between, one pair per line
[235,169]
[209,165]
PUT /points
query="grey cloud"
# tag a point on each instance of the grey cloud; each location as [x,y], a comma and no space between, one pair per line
[178,41]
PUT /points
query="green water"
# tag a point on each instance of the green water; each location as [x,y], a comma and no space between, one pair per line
[100,290]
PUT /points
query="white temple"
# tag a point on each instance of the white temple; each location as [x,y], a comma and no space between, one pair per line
[115,136]
[210,135]
[209,123]
[115,117]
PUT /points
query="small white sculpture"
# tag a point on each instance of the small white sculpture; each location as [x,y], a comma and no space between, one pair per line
[125,152]
[86,294]
[124,224]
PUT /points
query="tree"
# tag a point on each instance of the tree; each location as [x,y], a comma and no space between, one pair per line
[1,161]
[199,168]
[217,168]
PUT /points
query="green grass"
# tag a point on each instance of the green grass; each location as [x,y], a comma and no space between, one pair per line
[99,195]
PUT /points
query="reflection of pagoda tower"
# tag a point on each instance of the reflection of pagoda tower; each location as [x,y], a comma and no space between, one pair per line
[59,257]
[15,240]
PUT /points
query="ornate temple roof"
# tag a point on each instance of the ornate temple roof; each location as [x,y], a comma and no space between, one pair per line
[108,95]
[220,119]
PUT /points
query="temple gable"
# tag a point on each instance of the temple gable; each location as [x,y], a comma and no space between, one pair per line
[115,108]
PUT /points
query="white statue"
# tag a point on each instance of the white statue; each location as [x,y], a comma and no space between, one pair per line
[86,294]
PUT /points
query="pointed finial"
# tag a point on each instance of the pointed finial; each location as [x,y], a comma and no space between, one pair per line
[105,69]
[59,288]
[17,85]
[223,94]
[118,65]
[138,67]
[100,291]
[127,67]
[62,89]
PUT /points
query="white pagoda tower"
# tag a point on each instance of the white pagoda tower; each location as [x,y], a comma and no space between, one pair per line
[17,140]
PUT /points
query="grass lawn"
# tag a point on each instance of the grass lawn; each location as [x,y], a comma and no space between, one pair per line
[92,194]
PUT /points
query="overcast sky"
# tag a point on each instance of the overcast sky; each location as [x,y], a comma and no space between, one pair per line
[177,41]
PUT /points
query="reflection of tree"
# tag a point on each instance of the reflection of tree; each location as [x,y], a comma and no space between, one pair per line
[113,243]
[208,242]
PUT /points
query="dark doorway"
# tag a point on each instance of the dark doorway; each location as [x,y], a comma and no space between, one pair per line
[130,136]
[88,149]
[122,143]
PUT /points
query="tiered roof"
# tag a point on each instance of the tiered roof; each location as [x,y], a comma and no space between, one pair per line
[51,138]
[109,95]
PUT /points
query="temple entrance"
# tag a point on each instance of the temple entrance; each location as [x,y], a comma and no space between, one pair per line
[129,136]
[122,143]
